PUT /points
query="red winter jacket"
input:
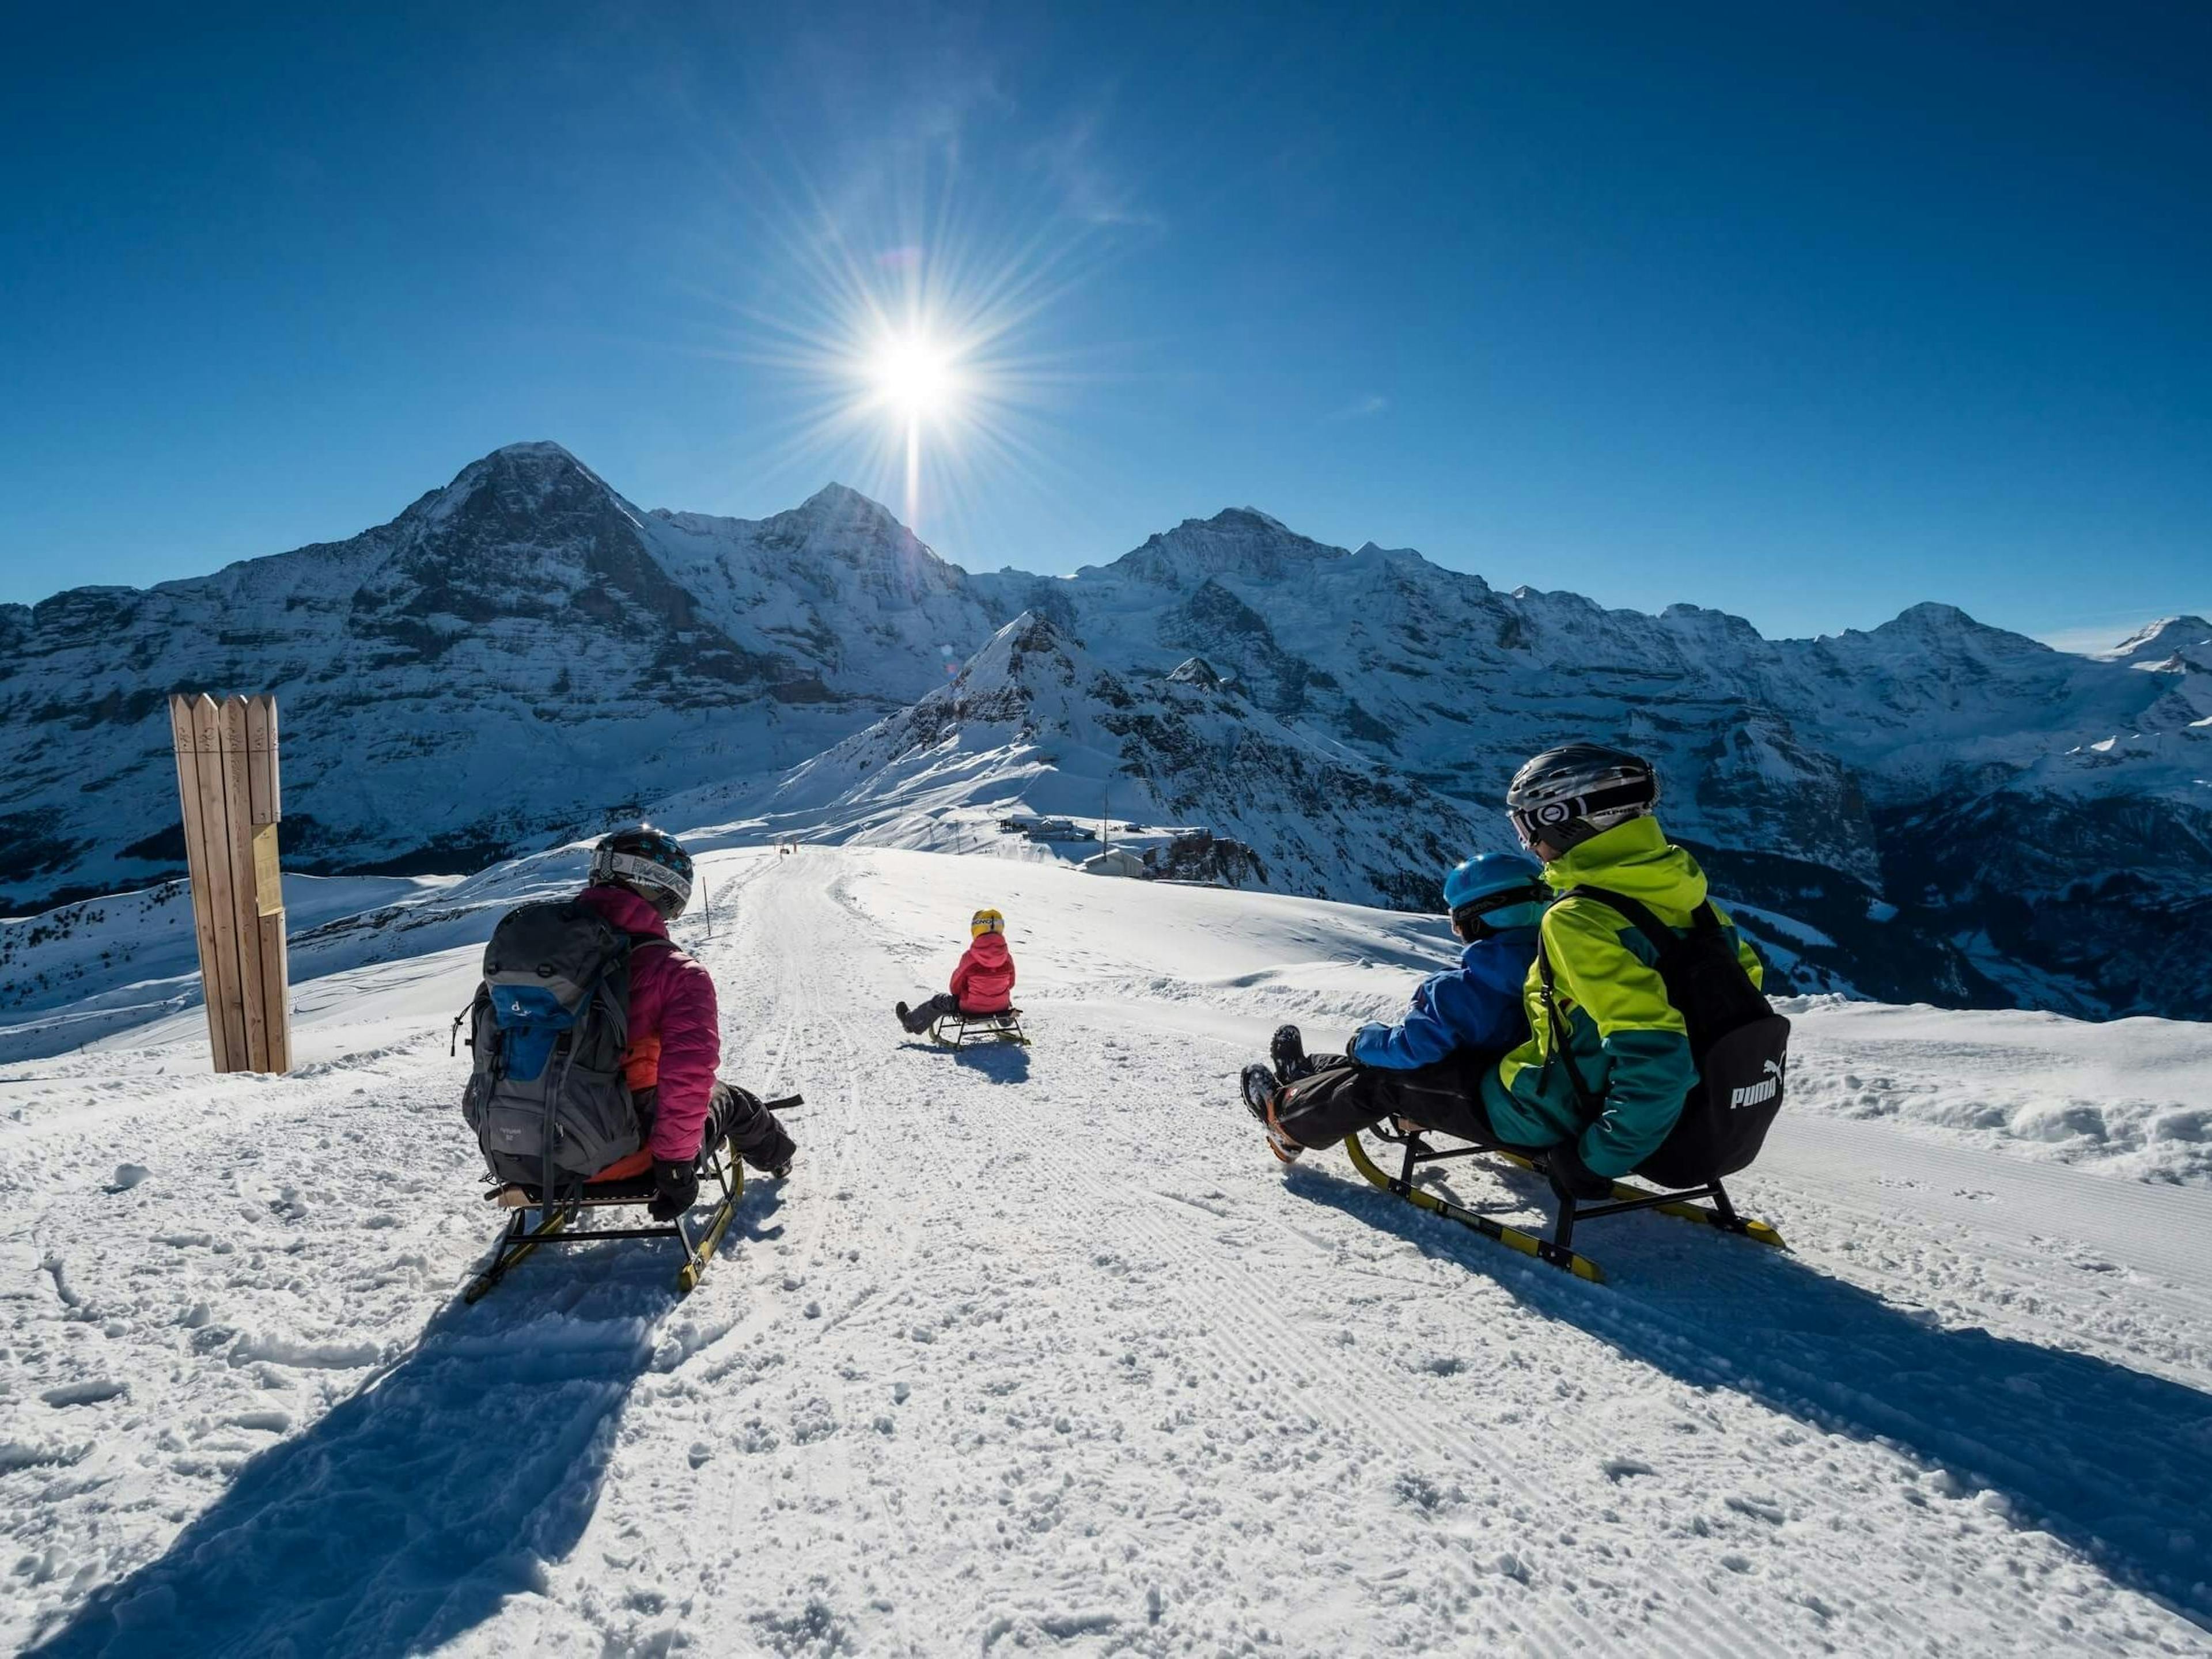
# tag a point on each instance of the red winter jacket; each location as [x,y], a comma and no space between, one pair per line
[984,980]
[675,1031]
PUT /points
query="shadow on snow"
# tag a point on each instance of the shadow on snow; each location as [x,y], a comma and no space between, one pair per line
[2116,1463]
[409,1513]
[1001,1062]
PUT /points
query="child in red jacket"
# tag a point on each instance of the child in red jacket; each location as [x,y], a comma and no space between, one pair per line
[983,983]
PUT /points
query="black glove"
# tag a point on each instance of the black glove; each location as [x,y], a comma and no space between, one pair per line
[1570,1177]
[675,1188]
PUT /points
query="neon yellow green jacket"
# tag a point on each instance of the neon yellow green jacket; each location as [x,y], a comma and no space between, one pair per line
[1627,1041]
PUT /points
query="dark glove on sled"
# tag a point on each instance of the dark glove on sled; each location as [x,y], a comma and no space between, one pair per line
[1570,1177]
[675,1188]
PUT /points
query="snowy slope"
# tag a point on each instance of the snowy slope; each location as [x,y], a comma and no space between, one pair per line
[1039,1351]
[80,971]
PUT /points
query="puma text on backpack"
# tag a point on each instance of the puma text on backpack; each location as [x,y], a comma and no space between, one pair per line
[1739,1045]
[547,1097]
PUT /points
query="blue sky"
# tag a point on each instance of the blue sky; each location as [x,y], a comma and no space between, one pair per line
[1806,313]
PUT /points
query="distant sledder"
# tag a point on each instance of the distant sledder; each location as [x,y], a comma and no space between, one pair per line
[1672,1063]
[979,1007]
[595,1041]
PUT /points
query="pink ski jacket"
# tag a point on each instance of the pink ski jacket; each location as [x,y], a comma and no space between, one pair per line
[984,980]
[675,1030]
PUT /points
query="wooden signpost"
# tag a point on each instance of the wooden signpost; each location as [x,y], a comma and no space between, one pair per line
[227,779]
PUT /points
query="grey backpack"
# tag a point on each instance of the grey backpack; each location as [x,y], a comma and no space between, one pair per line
[547,1097]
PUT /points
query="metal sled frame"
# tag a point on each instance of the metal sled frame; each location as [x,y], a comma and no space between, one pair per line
[1559,1249]
[553,1220]
[958,1030]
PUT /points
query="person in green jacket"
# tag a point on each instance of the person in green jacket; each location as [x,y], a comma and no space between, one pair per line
[1587,813]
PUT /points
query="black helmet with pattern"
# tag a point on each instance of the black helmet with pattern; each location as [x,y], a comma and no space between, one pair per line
[1565,796]
[651,863]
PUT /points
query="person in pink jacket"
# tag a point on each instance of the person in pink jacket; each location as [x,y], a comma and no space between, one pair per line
[641,880]
[983,983]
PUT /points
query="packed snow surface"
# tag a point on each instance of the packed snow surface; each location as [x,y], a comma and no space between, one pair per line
[1038,1350]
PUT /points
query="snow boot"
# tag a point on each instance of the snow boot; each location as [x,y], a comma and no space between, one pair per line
[1258,1082]
[1259,1085]
[1288,1051]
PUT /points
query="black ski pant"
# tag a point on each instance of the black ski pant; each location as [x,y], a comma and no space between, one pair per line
[738,1115]
[733,1115]
[1341,1097]
[923,1015]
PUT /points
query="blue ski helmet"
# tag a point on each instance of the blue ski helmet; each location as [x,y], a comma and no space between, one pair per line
[1498,890]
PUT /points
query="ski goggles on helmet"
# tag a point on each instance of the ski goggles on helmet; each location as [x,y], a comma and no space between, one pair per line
[1468,921]
[1600,809]
[651,860]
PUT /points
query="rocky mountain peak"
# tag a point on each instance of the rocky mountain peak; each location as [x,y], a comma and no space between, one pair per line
[517,483]
[1237,542]
[1195,671]
[2182,642]
[844,504]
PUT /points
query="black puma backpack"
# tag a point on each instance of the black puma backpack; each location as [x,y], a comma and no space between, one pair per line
[1739,1044]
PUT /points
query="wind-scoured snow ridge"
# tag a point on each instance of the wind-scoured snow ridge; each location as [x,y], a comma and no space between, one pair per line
[525,656]
[1039,1348]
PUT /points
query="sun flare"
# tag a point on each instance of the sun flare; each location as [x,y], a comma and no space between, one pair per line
[914,375]
[917,337]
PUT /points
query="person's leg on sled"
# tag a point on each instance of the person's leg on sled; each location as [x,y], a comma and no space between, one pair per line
[923,1015]
[982,982]
[735,1115]
[1419,1069]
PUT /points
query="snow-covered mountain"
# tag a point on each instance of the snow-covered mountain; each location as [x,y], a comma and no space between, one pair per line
[1033,724]
[1932,809]
[519,653]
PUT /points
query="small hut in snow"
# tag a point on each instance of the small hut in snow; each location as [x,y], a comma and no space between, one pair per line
[1114,861]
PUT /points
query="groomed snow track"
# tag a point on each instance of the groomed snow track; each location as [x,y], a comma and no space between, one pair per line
[1037,1351]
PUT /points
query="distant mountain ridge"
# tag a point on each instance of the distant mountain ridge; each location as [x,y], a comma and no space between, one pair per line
[1948,810]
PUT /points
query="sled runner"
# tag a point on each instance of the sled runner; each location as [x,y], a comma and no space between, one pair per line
[1557,1248]
[958,1031]
[571,1200]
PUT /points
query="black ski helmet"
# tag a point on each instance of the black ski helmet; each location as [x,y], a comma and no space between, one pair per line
[1565,795]
[651,863]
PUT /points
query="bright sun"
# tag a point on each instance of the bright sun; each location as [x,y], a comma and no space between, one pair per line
[914,376]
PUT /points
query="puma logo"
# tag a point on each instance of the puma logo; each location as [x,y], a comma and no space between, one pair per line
[1758,1093]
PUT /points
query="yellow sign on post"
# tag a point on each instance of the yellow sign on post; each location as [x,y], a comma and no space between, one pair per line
[227,779]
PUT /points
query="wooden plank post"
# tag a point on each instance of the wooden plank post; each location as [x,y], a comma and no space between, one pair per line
[238,804]
[196,866]
[227,777]
[224,991]
[269,877]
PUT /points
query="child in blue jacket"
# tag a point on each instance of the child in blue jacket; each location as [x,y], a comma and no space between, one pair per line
[1414,1068]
